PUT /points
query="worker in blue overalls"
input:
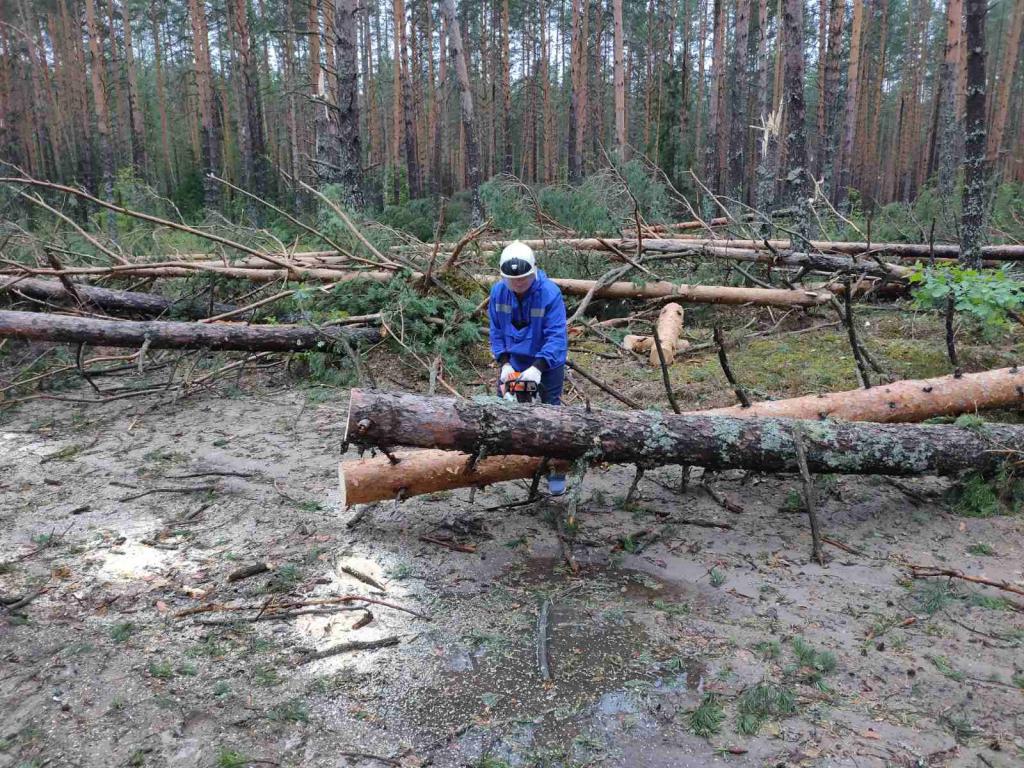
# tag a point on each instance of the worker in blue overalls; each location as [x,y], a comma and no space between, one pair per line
[528,331]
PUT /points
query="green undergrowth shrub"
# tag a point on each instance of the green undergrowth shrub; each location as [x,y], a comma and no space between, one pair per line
[985,297]
[430,325]
[600,203]
[979,496]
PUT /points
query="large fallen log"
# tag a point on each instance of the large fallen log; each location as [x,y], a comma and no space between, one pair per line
[694,294]
[652,439]
[114,302]
[901,250]
[902,401]
[158,334]
[668,328]
[419,472]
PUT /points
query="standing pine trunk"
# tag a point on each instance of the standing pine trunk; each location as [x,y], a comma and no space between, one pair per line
[251,144]
[404,124]
[716,133]
[506,94]
[796,145]
[169,180]
[1004,85]
[620,84]
[578,93]
[138,131]
[739,121]
[458,54]
[209,140]
[949,135]
[830,93]
[853,75]
[974,197]
[348,151]
[99,100]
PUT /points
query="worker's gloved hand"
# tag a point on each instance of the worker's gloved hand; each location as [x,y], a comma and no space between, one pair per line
[506,373]
[531,374]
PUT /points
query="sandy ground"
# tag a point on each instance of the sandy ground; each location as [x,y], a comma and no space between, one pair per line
[100,670]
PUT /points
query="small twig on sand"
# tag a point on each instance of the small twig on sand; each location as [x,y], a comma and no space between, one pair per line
[720,498]
[365,756]
[211,473]
[927,571]
[354,645]
[448,544]
[248,571]
[360,576]
[193,489]
[633,486]
[21,603]
[741,394]
[664,371]
[216,607]
[278,616]
[542,641]
[843,546]
[809,495]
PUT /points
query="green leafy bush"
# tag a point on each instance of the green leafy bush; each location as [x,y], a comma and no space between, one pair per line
[985,296]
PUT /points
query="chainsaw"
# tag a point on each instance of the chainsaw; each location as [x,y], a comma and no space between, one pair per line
[518,391]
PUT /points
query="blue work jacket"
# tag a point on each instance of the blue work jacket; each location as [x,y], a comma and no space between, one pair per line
[531,328]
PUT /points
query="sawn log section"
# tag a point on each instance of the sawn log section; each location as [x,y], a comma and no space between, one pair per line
[651,438]
[41,326]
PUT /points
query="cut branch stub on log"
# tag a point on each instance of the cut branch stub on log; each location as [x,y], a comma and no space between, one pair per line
[419,472]
[713,442]
[40,326]
[668,328]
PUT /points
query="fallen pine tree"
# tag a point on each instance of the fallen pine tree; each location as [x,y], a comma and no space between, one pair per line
[911,400]
[653,439]
[921,251]
[158,334]
[110,300]
[695,294]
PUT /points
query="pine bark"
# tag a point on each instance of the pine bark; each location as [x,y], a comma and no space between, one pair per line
[160,334]
[713,442]
[349,150]
[975,171]
[716,134]
[620,84]
[138,128]
[796,142]
[209,138]
[428,471]
[950,134]
[106,150]
[1004,85]
[472,154]
[252,143]
[853,74]
[739,121]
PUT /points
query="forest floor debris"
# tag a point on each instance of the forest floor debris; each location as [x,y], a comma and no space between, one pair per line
[718,646]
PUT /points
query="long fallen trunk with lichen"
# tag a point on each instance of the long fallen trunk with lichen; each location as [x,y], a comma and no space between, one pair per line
[375,479]
[653,439]
[159,334]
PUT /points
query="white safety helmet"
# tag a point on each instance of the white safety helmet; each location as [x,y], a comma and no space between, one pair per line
[517,260]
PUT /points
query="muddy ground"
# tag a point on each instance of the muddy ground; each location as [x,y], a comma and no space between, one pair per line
[676,645]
